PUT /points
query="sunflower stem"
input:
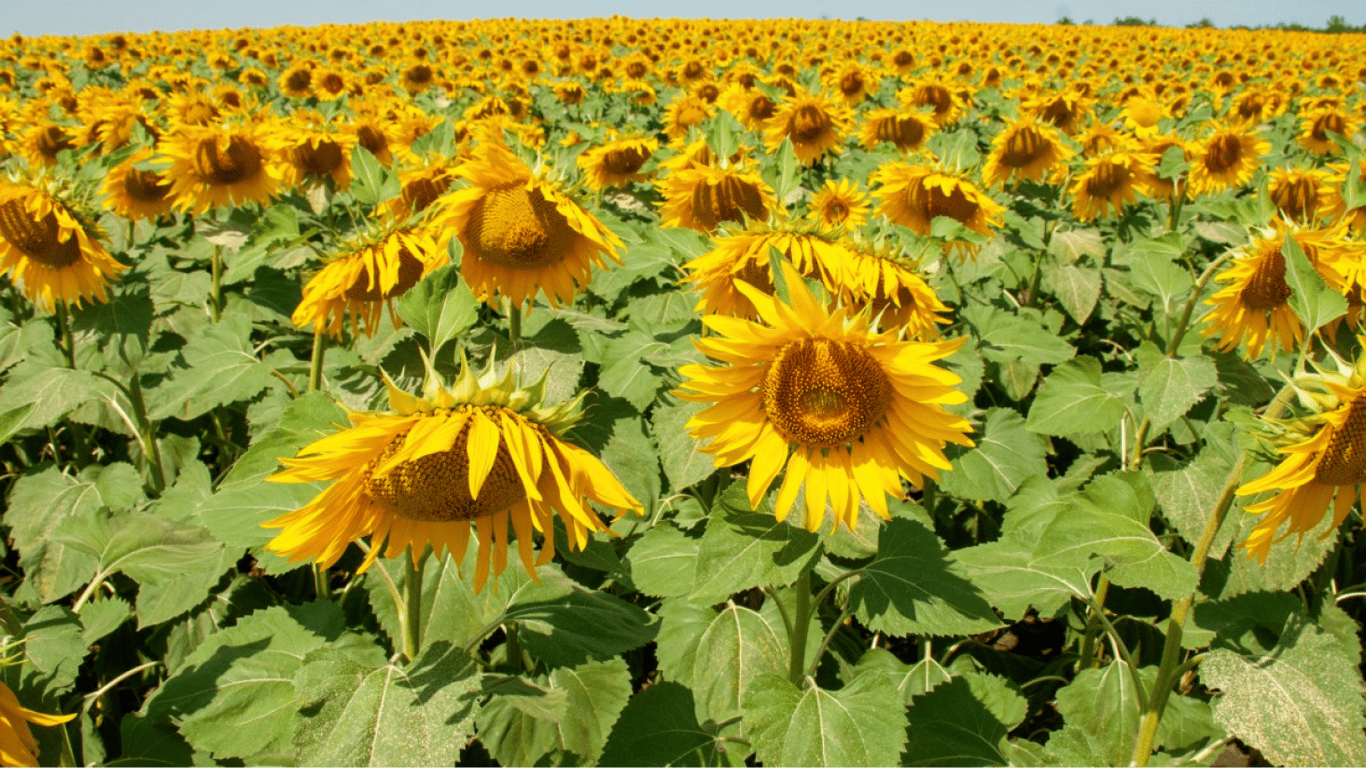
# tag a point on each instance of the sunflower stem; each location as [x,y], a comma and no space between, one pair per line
[315,361]
[216,296]
[825,642]
[412,604]
[1088,643]
[514,322]
[322,586]
[1178,200]
[78,447]
[1183,325]
[1170,667]
[149,431]
[801,625]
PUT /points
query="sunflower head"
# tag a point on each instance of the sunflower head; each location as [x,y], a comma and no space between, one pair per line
[1319,123]
[914,196]
[745,257]
[1025,149]
[617,162]
[136,189]
[907,129]
[839,204]
[50,243]
[1228,158]
[1110,182]
[704,196]
[213,166]
[814,125]
[880,276]
[475,457]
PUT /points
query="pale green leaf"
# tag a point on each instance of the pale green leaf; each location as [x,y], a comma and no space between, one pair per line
[862,724]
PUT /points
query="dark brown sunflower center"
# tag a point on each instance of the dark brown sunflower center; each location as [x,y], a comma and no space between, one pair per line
[298,80]
[1059,113]
[1023,147]
[1344,460]
[436,487]
[1251,106]
[409,272]
[1223,154]
[318,160]
[1108,179]
[1330,121]
[730,199]
[240,161]
[822,393]
[37,239]
[635,70]
[519,228]
[809,123]
[51,140]
[333,83]
[936,96]
[836,211]
[904,132]
[956,205]
[625,161]
[1267,289]
[1297,199]
[851,84]
[418,74]
[373,140]
[145,186]
[420,193]
[761,107]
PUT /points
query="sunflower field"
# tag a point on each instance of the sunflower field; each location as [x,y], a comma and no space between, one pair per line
[683,392]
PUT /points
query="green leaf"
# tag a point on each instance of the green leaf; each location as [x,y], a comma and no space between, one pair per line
[54,645]
[1169,386]
[1077,398]
[1134,555]
[241,680]
[684,465]
[789,170]
[738,646]
[50,392]
[1077,288]
[440,307]
[914,586]
[371,182]
[1071,245]
[40,504]
[367,712]
[862,724]
[220,368]
[1006,336]
[721,138]
[662,562]
[1300,705]
[1289,562]
[743,548]
[1013,578]
[1005,456]
[624,372]
[658,727]
[1311,299]
[174,563]
[1105,703]
[1152,270]
[571,710]
[963,722]
[1188,496]
[100,617]
[124,321]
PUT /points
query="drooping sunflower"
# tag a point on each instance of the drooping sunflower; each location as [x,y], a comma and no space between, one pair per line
[839,204]
[1301,194]
[214,166]
[684,113]
[1110,182]
[313,152]
[366,275]
[703,196]
[1065,111]
[522,234]
[1229,158]
[751,106]
[137,193]
[41,143]
[815,125]
[50,246]
[420,186]
[853,80]
[913,196]
[816,394]
[1323,462]
[906,128]
[464,461]
[744,258]
[1160,188]
[1318,123]
[17,744]
[1025,149]
[1254,304]
[885,281]
[617,162]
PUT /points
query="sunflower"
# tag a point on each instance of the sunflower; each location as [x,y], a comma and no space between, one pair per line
[907,129]
[888,284]
[914,196]
[1065,112]
[222,165]
[472,458]
[1157,146]
[367,275]
[1323,462]
[41,143]
[297,81]
[744,258]
[752,107]
[685,113]
[1337,204]
[51,247]
[137,193]
[1229,158]
[1254,305]
[854,81]
[17,744]
[521,233]
[1318,123]
[569,92]
[1110,182]
[1142,113]
[839,204]
[420,186]
[329,84]
[313,153]
[938,96]
[703,196]
[847,411]
[1025,149]
[618,162]
[815,125]
[1301,194]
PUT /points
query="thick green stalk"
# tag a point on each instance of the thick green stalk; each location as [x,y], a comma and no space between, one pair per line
[412,605]
[78,447]
[801,624]
[315,361]
[514,323]
[1178,200]
[149,432]
[216,296]
[1088,644]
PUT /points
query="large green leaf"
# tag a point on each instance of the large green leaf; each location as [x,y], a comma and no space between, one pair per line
[1134,555]
[963,722]
[1169,386]
[220,367]
[241,680]
[684,465]
[915,586]
[440,307]
[738,646]
[1005,456]
[663,561]
[1013,578]
[744,548]
[658,727]
[1312,300]
[1301,704]
[1077,398]
[359,710]
[1007,336]
[570,710]
[862,724]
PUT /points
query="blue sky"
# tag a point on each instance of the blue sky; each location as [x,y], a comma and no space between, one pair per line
[89,17]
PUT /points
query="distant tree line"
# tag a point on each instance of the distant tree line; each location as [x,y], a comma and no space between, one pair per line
[1336,24]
